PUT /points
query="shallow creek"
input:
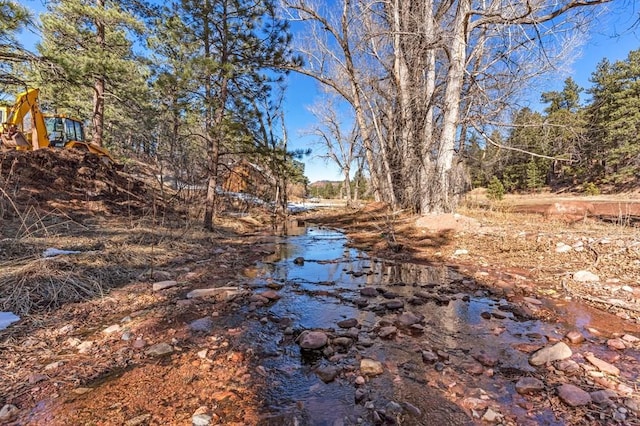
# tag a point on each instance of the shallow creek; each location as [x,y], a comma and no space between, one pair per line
[480,340]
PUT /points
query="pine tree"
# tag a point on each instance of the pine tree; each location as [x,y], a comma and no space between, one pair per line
[13,18]
[235,43]
[89,42]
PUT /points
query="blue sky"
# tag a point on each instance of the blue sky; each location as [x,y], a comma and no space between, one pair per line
[611,37]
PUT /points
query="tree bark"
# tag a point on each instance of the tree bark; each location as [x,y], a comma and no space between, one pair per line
[97,117]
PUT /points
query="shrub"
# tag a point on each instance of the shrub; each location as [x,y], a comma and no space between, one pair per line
[590,188]
[495,189]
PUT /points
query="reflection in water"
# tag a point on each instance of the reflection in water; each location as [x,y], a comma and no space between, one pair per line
[325,288]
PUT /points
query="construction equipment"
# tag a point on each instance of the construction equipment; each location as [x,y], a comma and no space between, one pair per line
[26,128]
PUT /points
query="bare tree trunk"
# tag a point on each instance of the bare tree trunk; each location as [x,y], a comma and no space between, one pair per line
[97,117]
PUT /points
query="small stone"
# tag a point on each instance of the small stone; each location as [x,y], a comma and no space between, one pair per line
[486,315]
[360,381]
[529,385]
[411,409]
[563,248]
[201,419]
[575,337]
[473,368]
[65,329]
[81,391]
[585,276]
[298,261]
[603,366]
[348,323]
[394,304]
[85,347]
[202,354]
[485,359]
[573,395]
[112,329]
[556,352]
[429,357]
[360,394]
[202,325]
[54,365]
[327,374]
[369,292]
[490,416]
[8,413]
[627,288]
[126,336]
[393,408]
[617,344]
[630,338]
[139,343]
[344,342]
[224,293]
[139,420]
[37,378]
[387,332]
[159,350]
[163,285]
[270,294]
[461,252]
[313,340]
[407,319]
[568,366]
[370,367]
[603,396]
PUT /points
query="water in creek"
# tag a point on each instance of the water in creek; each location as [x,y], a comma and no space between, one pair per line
[320,280]
[7,318]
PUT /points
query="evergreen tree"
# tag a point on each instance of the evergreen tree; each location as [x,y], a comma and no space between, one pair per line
[13,18]
[615,114]
[89,42]
[234,45]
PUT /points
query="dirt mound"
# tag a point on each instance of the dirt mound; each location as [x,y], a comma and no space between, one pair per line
[68,180]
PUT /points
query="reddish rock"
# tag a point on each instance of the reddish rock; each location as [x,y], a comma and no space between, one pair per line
[575,337]
[529,385]
[617,344]
[603,366]
[573,395]
[313,340]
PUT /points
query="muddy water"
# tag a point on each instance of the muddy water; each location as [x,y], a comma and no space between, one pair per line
[463,322]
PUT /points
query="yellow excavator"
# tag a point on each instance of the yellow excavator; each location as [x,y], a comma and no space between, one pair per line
[26,128]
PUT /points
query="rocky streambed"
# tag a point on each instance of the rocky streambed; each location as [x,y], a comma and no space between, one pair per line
[346,339]
[318,333]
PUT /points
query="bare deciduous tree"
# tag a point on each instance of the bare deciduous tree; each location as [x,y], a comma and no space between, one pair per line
[418,74]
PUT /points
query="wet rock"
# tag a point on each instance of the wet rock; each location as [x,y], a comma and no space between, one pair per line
[575,337]
[370,367]
[312,340]
[529,385]
[360,394]
[270,295]
[387,332]
[394,304]
[369,292]
[275,286]
[8,413]
[348,323]
[224,293]
[573,395]
[617,344]
[556,352]
[343,342]
[486,359]
[159,350]
[390,295]
[327,374]
[602,365]
[163,285]
[298,261]
[202,325]
[407,319]
[585,276]
[486,315]
[365,342]
[258,299]
[361,302]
